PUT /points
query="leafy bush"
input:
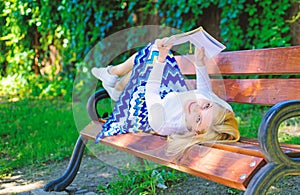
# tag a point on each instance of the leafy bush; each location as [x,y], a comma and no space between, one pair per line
[46,40]
[19,87]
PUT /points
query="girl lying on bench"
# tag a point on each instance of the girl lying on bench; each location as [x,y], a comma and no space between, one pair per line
[151,95]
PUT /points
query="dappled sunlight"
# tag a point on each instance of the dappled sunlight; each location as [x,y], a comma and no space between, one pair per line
[248,90]
[18,184]
[11,85]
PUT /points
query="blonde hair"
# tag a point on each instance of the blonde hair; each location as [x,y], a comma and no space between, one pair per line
[224,128]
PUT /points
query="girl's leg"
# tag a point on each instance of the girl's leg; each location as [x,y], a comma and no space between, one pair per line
[110,77]
[123,68]
[120,85]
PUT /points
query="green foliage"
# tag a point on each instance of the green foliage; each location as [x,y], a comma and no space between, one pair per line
[231,30]
[243,24]
[268,27]
[51,38]
[18,87]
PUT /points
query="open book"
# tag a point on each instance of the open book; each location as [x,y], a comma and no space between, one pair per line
[200,38]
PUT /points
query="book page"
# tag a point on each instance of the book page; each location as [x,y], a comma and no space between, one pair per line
[200,38]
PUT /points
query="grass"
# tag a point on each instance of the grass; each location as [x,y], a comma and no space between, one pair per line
[34,132]
[147,180]
[250,116]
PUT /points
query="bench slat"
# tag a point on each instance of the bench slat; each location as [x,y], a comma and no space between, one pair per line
[288,147]
[255,91]
[225,167]
[251,147]
[247,146]
[277,61]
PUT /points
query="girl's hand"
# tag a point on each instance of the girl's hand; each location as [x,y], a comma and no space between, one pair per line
[163,49]
[200,57]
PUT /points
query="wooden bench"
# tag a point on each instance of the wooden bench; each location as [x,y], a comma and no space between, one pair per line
[250,164]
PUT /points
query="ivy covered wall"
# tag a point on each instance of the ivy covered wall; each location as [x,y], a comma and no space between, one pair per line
[46,39]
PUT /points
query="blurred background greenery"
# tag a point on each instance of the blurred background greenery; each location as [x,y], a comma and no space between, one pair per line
[43,44]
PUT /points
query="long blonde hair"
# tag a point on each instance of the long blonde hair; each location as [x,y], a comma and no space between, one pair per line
[224,128]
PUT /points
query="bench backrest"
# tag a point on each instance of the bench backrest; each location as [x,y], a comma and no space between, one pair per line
[262,76]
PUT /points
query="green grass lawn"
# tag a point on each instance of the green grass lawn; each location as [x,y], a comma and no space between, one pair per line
[33,132]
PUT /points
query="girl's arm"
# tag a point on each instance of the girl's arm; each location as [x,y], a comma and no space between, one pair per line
[156,113]
[203,81]
[152,95]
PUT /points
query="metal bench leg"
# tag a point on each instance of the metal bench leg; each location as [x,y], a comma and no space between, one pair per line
[66,179]
[267,175]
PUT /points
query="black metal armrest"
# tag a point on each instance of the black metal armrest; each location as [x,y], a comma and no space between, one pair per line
[268,131]
[92,103]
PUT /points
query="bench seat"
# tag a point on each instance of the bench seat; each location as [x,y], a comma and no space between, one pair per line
[231,164]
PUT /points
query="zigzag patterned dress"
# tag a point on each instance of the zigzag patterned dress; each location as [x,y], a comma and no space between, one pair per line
[130,112]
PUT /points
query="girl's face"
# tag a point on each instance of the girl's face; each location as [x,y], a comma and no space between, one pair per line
[198,115]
